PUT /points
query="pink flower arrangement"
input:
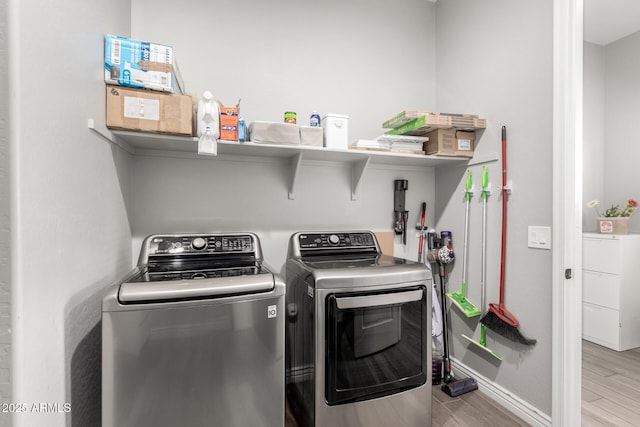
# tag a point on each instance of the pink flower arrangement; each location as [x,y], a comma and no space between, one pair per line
[615,211]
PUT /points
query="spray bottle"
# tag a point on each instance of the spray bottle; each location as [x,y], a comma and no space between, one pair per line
[208,115]
[208,125]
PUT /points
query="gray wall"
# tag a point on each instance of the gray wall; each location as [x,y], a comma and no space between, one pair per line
[284,55]
[494,58]
[621,111]
[594,131]
[250,195]
[611,109]
[5,260]
[69,224]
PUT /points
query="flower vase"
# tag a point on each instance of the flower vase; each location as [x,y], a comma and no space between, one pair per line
[613,225]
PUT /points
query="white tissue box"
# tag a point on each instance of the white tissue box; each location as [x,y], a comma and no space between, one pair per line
[274,133]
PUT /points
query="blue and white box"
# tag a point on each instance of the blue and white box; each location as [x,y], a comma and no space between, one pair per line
[142,65]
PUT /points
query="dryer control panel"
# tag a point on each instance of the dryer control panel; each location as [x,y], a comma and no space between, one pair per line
[336,240]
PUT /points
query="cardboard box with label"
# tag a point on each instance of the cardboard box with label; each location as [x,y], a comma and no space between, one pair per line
[450,142]
[141,64]
[150,111]
[229,123]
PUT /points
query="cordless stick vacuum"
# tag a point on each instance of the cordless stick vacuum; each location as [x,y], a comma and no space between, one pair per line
[436,310]
[441,253]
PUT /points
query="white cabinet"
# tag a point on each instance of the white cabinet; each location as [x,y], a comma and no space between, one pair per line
[611,290]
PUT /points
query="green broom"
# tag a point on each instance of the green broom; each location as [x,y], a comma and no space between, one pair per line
[482,344]
[459,298]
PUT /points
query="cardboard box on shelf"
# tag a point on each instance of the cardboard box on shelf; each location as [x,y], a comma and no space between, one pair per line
[450,142]
[229,123]
[430,119]
[141,64]
[150,111]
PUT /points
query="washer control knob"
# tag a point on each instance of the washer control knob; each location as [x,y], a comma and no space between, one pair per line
[199,243]
[334,240]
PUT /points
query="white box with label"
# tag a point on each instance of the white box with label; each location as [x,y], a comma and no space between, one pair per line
[336,131]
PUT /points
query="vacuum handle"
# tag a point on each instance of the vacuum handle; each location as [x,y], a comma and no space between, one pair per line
[446,362]
[421,241]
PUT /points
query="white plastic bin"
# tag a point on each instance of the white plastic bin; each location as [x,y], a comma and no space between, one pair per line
[336,131]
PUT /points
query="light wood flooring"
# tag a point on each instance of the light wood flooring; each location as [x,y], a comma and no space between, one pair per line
[472,409]
[610,396]
[610,386]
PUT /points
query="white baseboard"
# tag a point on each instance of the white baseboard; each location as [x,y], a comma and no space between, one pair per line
[505,398]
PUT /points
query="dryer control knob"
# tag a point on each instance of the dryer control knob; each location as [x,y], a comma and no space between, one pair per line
[199,243]
[334,239]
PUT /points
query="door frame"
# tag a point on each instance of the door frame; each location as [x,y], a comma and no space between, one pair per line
[567,212]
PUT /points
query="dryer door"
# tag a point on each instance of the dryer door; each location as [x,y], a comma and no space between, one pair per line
[376,344]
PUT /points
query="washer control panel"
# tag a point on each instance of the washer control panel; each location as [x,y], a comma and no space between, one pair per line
[204,244]
[336,240]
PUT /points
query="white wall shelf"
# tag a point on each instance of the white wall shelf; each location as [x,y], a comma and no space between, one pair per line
[140,143]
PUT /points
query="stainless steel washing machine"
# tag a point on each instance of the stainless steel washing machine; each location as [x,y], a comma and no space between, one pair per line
[195,336]
[358,346]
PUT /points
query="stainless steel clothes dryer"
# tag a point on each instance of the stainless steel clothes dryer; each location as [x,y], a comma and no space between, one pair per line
[195,336]
[358,333]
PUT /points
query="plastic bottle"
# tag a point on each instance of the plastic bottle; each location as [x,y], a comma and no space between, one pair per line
[314,120]
[208,116]
[242,130]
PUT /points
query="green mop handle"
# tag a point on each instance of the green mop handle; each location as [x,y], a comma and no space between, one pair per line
[485,184]
[467,198]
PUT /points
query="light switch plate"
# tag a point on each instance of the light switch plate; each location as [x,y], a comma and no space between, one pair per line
[539,237]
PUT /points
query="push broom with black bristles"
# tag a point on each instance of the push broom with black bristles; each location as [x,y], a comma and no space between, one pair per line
[498,318]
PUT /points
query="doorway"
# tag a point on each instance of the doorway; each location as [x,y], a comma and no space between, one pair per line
[567,212]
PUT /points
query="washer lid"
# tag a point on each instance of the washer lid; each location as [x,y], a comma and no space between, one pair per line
[206,288]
